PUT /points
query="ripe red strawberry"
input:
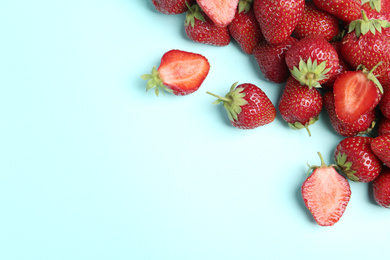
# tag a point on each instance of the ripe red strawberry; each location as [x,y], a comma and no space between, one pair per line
[221,12]
[271,59]
[326,194]
[378,9]
[315,21]
[247,106]
[345,10]
[312,61]
[356,159]
[383,126]
[300,105]
[356,93]
[172,6]
[361,126]
[246,30]
[381,148]
[381,188]
[180,73]
[278,18]
[384,104]
[200,28]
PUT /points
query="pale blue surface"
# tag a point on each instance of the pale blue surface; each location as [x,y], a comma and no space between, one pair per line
[92,167]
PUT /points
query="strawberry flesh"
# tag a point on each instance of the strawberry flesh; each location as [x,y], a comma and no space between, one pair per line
[221,12]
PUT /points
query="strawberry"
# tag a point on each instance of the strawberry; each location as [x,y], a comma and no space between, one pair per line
[221,12]
[278,18]
[381,148]
[245,29]
[300,105]
[312,61]
[381,188]
[383,126]
[356,93]
[345,10]
[356,159]
[315,21]
[384,104]
[326,194]
[247,106]
[378,9]
[201,29]
[180,73]
[172,6]
[271,59]
[363,125]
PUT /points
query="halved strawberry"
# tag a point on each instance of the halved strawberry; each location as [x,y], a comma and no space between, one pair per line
[221,12]
[180,73]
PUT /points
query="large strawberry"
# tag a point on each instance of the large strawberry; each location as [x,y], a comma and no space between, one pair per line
[172,6]
[271,59]
[180,73]
[300,105]
[278,18]
[221,12]
[200,28]
[312,61]
[381,148]
[247,106]
[345,10]
[326,194]
[381,188]
[356,159]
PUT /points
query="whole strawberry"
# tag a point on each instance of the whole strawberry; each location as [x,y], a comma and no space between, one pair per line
[384,104]
[326,194]
[376,9]
[356,159]
[271,59]
[201,29]
[381,188]
[345,10]
[381,148]
[247,106]
[278,18]
[300,105]
[172,6]
[383,125]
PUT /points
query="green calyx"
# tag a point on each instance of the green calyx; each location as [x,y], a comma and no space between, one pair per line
[154,81]
[365,25]
[310,73]
[232,102]
[323,164]
[298,125]
[341,161]
[374,4]
[244,5]
[371,76]
[194,12]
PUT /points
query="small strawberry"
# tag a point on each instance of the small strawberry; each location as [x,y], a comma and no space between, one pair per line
[356,159]
[381,188]
[172,6]
[300,105]
[326,194]
[201,29]
[247,106]
[312,61]
[271,59]
[384,104]
[383,126]
[278,18]
[245,29]
[345,10]
[381,148]
[180,73]
[356,93]
[221,12]
[363,125]
[315,21]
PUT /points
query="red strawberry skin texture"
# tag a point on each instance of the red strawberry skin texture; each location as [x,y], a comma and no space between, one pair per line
[383,126]
[381,188]
[381,148]
[345,10]
[271,59]
[384,104]
[299,103]
[278,18]
[258,111]
[358,151]
[172,6]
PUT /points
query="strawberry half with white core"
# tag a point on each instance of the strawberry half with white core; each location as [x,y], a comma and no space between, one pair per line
[180,73]
[326,194]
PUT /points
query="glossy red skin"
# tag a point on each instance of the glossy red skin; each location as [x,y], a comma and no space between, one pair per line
[371,13]
[271,59]
[208,33]
[381,148]
[172,6]
[315,21]
[299,103]
[383,126]
[345,10]
[358,150]
[347,130]
[381,188]
[384,104]
[258,111]
[278,18]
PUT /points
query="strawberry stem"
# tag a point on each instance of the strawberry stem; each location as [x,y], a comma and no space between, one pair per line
[219,97]
[322,160]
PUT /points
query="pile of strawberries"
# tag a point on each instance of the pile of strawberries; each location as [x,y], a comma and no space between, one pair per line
[329,54]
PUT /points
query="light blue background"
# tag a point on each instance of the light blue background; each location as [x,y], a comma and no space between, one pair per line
[93,167]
